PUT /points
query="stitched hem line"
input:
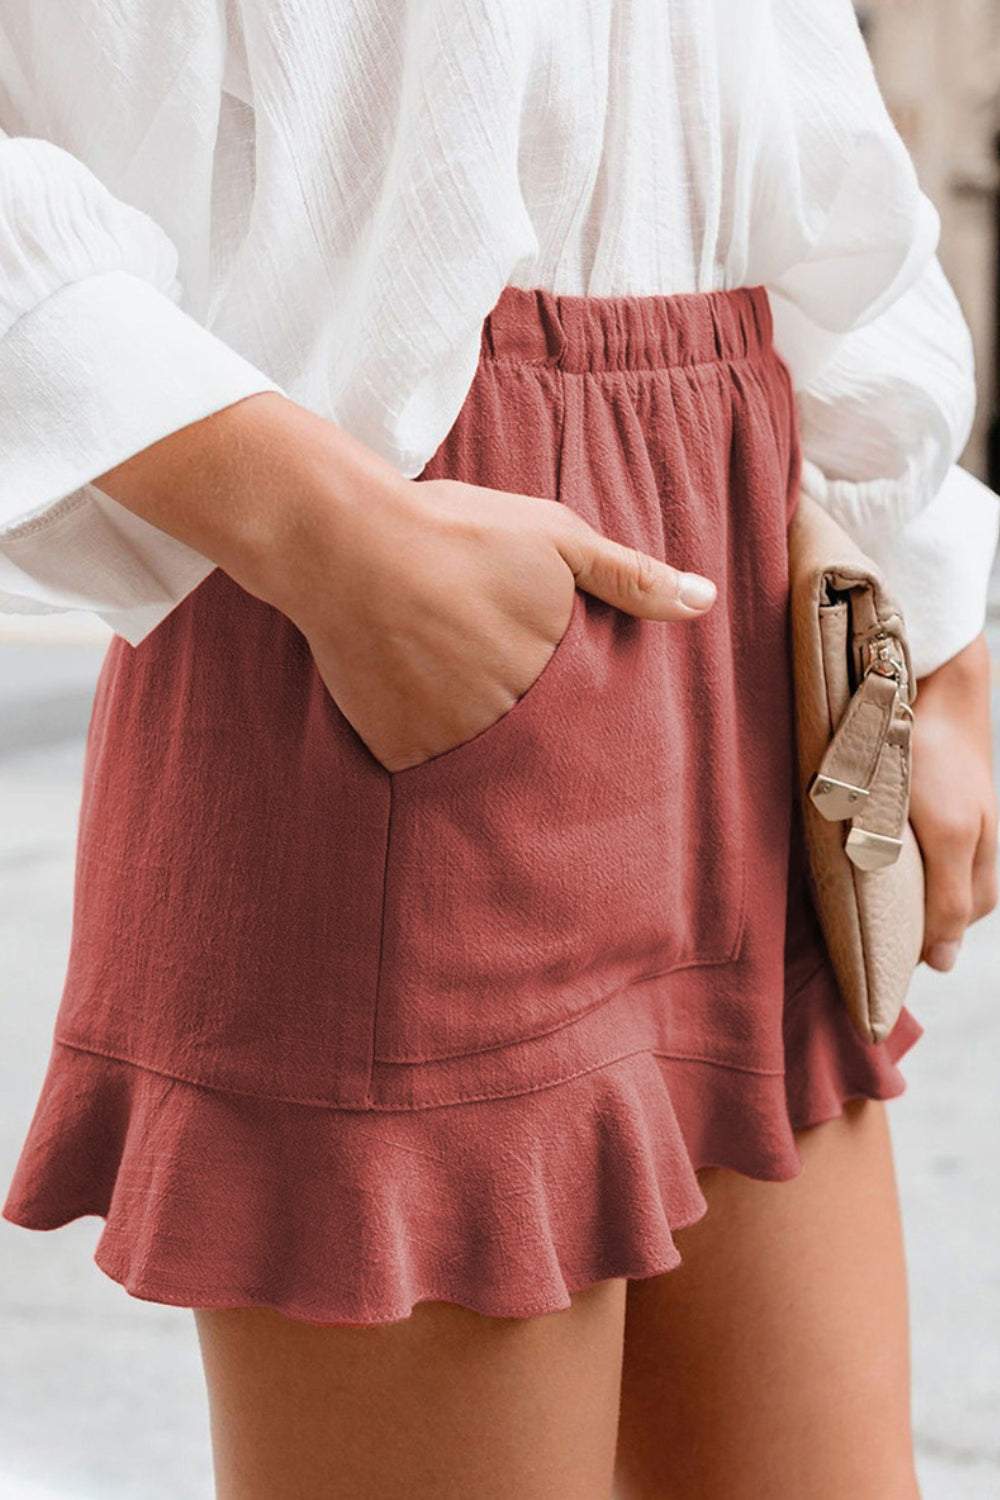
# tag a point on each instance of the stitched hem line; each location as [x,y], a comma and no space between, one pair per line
[682,966]
[218,1088]
[383,1060]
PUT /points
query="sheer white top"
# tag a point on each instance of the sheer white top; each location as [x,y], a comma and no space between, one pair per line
[198,201]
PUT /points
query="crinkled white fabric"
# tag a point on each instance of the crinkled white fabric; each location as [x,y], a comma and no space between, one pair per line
[944,599]
[198,201]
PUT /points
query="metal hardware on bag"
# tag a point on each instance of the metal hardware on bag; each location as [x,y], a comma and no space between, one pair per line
[882,655]
[865,849]
[835,799]
[872,851]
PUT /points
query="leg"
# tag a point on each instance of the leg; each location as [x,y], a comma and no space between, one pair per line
[448,1404]
[775,1360]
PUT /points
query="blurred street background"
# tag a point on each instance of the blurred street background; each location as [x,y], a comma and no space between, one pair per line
[938,63]
[101,1395]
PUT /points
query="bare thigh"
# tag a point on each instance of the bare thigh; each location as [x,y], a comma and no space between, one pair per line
[774,1361]
[447,1404]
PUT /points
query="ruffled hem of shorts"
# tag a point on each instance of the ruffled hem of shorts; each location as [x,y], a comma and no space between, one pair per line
[506,1206]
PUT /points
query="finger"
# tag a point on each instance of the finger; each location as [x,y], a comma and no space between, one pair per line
[631,580]
[984,868]
[948,856]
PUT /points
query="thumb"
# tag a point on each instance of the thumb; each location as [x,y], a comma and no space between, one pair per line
[634,581]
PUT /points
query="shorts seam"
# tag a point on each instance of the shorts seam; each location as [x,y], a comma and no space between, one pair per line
[681,967]
[377,1108]
[371,1060]
[719,1062]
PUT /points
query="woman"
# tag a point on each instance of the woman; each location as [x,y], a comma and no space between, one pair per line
[423,393]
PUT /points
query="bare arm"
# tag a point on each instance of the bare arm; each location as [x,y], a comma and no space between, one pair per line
[953,804]
[430,606]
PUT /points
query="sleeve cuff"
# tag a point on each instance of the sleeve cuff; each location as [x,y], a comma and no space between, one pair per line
[938,567]
[95,555]
[95,373]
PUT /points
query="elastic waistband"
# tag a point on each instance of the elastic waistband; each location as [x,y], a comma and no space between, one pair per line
[538,327]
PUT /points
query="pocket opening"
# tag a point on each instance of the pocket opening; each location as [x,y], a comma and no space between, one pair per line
[454,751]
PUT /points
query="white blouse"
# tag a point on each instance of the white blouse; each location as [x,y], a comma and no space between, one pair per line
[325,197]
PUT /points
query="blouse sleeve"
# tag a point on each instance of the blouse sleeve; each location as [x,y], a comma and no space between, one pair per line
[879,352]
[97,361]
[883,421]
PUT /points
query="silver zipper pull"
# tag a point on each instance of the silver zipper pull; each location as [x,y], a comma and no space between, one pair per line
[882,655]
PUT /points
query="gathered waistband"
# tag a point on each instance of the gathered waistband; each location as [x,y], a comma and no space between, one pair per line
[537,327]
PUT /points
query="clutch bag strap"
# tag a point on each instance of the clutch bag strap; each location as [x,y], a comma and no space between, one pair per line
[864,774]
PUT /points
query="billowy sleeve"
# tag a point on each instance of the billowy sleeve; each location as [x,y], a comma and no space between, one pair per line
[97,361]
[879,351]
[883,422]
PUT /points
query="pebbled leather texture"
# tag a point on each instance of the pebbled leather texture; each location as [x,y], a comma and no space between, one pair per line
[872,920]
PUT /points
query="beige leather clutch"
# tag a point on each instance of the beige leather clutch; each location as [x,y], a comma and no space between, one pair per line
[854,688]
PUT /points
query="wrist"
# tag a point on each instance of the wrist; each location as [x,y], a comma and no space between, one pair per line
[335,497]
[263,488]
[969,667]
[957,696]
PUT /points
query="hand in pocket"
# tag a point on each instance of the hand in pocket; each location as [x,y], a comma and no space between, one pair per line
[448,605]
[430,606]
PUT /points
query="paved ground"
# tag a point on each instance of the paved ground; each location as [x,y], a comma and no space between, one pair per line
[101,1395]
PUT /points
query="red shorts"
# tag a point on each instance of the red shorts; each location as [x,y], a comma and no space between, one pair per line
[337,1040]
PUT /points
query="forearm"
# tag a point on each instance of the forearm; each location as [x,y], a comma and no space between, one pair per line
[960,690]
[953,804]
[256,487]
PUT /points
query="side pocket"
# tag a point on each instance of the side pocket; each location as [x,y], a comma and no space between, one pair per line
[477,744]
[592,837]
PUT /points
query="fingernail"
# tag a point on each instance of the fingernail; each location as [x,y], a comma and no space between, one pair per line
[942,955]
[695,591]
